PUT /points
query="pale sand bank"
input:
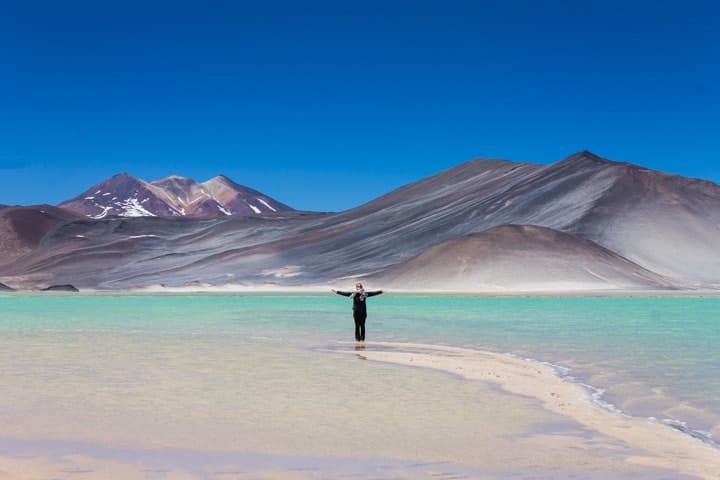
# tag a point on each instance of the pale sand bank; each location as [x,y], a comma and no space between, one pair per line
[661,445]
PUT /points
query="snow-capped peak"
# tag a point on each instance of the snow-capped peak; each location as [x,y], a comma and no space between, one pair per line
[124,195]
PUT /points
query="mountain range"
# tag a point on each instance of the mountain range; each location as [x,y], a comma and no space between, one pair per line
[582,223]
[126,196]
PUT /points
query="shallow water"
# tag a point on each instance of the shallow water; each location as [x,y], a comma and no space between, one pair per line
[250,373]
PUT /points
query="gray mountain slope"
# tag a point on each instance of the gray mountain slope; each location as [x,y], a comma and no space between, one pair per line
[665,223]
[470,198]
[134,252]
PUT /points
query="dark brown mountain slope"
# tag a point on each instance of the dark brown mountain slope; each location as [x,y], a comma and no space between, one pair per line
[22,228]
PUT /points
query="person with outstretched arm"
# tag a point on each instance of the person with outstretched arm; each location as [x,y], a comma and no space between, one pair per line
[359,296]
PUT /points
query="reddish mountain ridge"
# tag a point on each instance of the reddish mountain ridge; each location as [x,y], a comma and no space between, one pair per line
[173,196]
[22,228]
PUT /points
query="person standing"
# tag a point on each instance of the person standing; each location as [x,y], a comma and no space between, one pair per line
[359,297]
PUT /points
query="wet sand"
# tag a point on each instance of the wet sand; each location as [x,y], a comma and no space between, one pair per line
[121,407]
[544,458]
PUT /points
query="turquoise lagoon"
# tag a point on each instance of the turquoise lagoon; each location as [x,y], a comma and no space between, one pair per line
[257,373]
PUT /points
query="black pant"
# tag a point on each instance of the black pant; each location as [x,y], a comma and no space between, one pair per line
[360,325]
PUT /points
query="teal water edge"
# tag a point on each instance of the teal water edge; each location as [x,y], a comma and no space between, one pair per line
[648,357]
[665,347]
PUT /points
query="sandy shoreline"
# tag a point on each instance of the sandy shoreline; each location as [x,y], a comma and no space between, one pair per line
[601,445]
[663,446]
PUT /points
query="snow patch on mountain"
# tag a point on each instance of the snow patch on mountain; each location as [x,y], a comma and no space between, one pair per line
[132,208]
[266,204]
[102,214]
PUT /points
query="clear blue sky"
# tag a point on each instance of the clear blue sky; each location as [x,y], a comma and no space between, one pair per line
[326,105]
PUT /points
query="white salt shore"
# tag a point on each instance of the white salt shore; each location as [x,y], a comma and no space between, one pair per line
[662,445]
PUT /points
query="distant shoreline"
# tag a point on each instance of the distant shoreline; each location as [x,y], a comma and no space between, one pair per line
[313,290]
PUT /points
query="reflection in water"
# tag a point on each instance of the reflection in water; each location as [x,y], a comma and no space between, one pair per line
[360,347]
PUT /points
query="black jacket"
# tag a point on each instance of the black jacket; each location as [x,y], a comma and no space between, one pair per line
[359,298]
